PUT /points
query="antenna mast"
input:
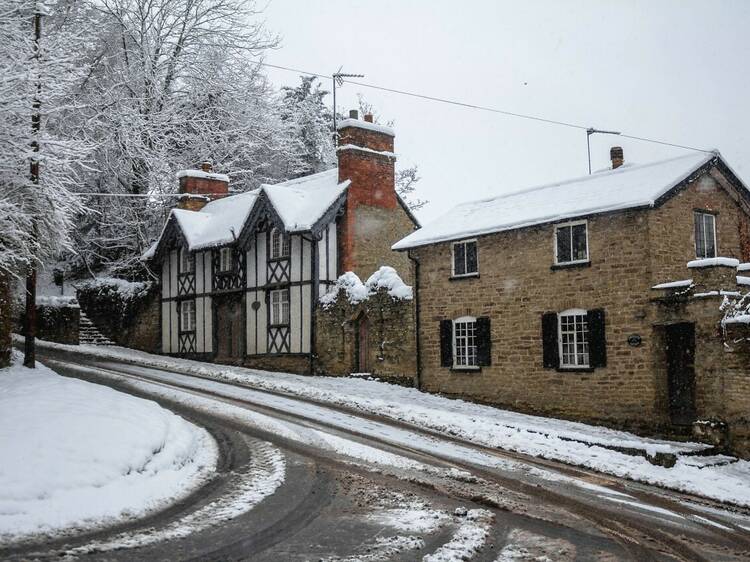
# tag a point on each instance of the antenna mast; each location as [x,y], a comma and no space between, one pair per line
[338,79]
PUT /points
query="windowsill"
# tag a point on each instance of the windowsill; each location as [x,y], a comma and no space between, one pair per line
[575,369]
[278,325]
[227,272]
[185,332]
[465,369]
[282,258]
[464,276]
[571,265]
[186,274]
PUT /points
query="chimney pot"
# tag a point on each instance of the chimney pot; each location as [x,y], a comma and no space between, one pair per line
[617,157]
[353,114]
[368,117]
[206,166]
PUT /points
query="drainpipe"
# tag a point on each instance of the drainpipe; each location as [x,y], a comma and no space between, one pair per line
[418,378]
[314,296]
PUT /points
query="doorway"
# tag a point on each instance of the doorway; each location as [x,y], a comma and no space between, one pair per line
[363,350]
[680,352]
[228,329]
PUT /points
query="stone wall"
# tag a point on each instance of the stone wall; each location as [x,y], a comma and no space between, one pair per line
[517,283]
[672,229]
[722,354]
[57,319]
[129,316]
[286,363]
[6,321]
[391,337]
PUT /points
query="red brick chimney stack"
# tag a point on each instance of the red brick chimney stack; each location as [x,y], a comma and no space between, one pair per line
[365,156]
[617,157]
[201,186]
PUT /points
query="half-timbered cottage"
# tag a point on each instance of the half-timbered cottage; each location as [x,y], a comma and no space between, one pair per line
[241,274]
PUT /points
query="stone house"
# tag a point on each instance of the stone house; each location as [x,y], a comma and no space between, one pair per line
[541,300]
[241,275]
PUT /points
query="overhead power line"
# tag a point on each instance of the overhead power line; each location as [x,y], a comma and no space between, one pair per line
[476,107]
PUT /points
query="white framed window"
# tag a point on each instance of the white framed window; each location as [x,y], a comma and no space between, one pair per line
[279,244]
[225,259]
[465,343]
[280,307]
[572,242]
[465,259]
[187,316]
[705,235]
[187,261]
[573,338]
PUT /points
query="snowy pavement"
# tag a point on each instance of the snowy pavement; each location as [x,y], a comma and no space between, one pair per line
[574,443]
[78,455]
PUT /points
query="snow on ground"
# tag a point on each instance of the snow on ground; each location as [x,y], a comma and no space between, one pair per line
[468,540]
[572,442]
[76,454]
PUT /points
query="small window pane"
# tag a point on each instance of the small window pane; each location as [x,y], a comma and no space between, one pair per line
[579,250]
[563,244]
[471,257]
[459,259]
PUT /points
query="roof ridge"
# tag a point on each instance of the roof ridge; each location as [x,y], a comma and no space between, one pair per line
[580,179]
[302,179]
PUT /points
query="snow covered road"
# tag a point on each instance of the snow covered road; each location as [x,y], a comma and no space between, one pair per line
[388,447]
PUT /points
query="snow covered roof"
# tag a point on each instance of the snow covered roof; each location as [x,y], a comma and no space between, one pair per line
[299,203]
[623,188]
[202,174]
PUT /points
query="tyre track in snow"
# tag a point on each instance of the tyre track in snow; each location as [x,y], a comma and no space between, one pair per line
[628,530]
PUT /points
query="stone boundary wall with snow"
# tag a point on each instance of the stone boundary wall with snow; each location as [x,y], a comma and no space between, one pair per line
[380,309]
[126,312]
[716,295]
[57,319]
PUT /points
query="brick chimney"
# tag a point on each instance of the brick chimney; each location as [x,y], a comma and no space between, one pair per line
[365,156]
[201,186]
[616,155]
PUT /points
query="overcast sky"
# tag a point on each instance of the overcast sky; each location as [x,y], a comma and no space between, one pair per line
[674,70]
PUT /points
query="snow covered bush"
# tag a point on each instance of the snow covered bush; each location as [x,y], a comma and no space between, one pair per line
[356,292]
[736,310]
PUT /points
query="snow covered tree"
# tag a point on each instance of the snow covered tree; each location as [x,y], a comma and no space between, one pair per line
[172,84]
[39,167]
[310,121]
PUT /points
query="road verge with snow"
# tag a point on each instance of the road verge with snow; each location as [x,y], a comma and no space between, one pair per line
[77,455]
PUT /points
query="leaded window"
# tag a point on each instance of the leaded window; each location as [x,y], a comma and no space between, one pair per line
[465,258]
[187,316]
[573,335]
[187,261]
[280,307]
[571,243]
[705,235]
[279,244]
[225,259]
[465,342]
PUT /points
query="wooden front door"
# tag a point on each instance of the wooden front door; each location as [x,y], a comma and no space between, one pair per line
[229,329]
[680,351]
[362,347]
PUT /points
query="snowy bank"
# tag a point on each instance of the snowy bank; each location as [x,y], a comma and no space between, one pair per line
[79,455]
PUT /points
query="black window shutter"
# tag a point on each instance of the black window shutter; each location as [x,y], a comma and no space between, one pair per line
[446,343]
[550,350]
[484,342]
[597,338]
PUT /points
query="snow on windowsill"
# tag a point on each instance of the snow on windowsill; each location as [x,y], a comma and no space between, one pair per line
[744,267]
[365,125]
[717,294]
[742,280]
[712,262]
[674,284]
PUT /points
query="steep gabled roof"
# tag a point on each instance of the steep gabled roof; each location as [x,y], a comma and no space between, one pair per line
[627,187]
[299,204]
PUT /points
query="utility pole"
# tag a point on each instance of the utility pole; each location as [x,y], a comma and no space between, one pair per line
[591,131]
[29,359]
[338,79]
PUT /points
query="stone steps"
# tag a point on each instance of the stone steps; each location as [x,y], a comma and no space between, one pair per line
[89,334]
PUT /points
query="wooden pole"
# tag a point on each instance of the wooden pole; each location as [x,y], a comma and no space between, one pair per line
[29,359]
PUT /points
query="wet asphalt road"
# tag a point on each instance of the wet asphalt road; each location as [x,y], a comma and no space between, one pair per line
[334,506]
